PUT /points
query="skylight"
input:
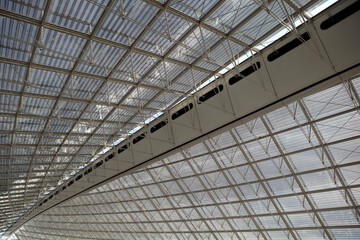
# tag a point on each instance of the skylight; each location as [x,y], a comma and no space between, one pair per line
[79,77]
[269,178]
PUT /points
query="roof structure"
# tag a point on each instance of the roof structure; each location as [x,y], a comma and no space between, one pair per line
[290,174]
[78,78]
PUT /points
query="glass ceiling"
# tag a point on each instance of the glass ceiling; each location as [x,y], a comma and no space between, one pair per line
[293,173]
[78,77]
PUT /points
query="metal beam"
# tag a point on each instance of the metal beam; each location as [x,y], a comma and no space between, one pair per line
[83,120]
[87,75]
[58,134]
[86,36]
[104,84]
[196,22]
[338,176]
[77,100]
[218,5]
